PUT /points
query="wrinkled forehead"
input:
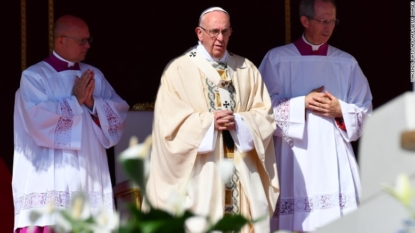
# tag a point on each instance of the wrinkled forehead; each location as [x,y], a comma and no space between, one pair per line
[215,19]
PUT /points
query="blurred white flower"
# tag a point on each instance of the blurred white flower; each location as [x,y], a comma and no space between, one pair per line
[226,169]
[63,225]
[79,208]
[135,150]
[196,224]
[135,161]
[402,190]
[47,210]
[177,202]
[106,221]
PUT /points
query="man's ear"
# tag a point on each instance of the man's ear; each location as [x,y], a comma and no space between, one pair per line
[304,21]
[199,32]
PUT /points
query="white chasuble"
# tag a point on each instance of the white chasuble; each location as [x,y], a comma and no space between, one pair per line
[182,118]
[221,96]
[318,172]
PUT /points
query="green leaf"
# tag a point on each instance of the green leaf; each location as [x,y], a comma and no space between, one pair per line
[155,221]
[134,168]
[229,223]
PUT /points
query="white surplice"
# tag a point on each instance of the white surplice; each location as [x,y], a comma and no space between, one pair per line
[318,172]
[58,148]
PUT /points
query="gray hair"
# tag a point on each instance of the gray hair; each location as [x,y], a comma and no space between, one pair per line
[307,7]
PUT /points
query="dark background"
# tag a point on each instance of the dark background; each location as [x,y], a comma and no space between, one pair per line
[134,40]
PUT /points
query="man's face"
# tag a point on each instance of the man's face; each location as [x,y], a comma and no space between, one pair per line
[212,23]
[316,31]
[76,44]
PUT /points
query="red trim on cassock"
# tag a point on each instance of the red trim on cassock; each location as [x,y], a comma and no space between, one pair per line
[340,123]
[96,120]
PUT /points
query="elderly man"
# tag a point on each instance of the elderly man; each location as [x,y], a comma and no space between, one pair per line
[212,106]
[66,115]
[321,100]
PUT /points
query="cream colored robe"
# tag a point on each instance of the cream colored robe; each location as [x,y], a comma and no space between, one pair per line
[182,119]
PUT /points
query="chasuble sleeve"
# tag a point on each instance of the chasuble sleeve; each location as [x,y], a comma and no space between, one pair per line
[181,108]
[258,116]
[181,120]
[111,111]
[52,122]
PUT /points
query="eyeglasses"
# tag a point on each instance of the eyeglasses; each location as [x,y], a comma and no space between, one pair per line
[80,41]
[326,22]
[215,32]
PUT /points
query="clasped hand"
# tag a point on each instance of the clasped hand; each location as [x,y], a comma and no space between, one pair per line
[323,103]
[84,88]
[224,120]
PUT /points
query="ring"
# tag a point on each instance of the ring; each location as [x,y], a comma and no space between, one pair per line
[226,124]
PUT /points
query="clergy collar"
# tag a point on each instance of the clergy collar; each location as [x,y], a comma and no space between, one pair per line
[313,46]
[60,64]
[306,49]
[201,50]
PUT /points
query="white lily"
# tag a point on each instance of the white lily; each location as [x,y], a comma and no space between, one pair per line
[402,191]
[106,221]
[226,168]
[135,160]
[63,225]
[79,208]
[196,224]
[177,201]
[136,150]
[46,210]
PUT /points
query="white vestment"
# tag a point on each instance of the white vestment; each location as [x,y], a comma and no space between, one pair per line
[58,148]
[182,119]
[318,172]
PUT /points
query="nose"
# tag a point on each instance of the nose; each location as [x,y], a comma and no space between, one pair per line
[220,36]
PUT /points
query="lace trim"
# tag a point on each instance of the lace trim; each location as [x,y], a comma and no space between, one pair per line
[288,206]
[113,121]
[60,199]
[282,117]
[64,126]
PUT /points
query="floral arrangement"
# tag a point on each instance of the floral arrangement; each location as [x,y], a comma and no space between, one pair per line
[135,161]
